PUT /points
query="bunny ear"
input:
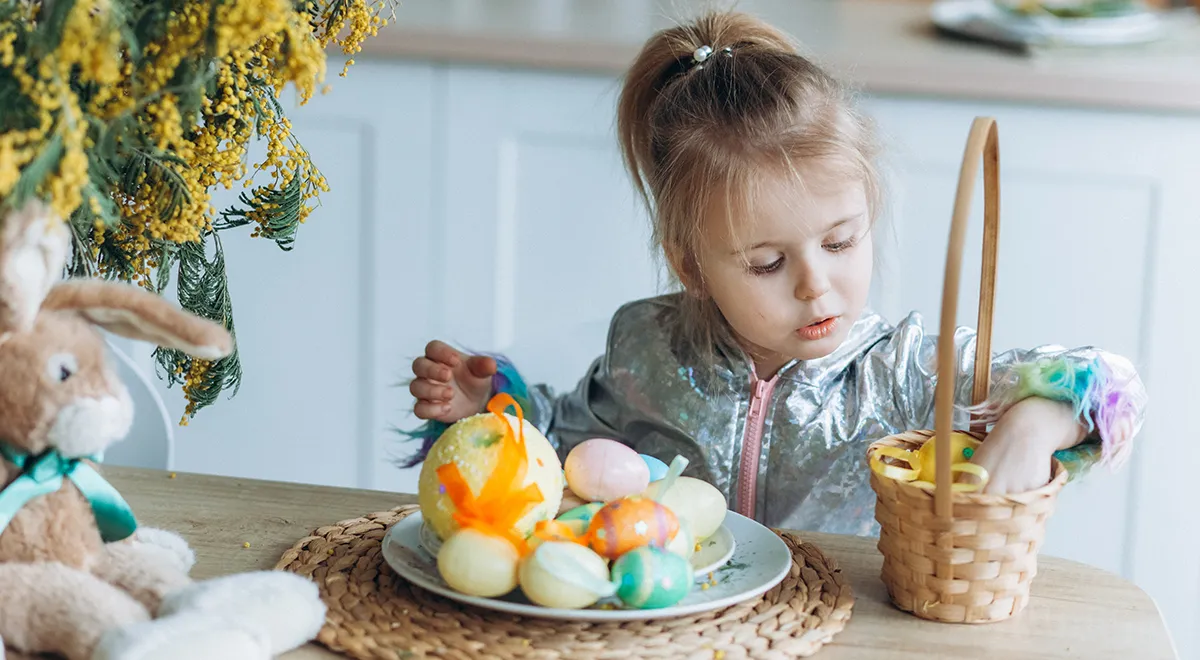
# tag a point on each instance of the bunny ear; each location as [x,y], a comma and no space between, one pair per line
[128,311]
[33,252]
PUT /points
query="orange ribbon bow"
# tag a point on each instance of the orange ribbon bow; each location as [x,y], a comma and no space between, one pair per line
[502,501]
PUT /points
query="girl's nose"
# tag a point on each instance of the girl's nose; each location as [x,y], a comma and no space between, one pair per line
[813,284]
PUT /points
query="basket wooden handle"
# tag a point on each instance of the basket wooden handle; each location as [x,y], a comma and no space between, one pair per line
[982,144]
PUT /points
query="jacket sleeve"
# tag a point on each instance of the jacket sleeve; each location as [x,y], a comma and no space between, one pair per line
[1104,390]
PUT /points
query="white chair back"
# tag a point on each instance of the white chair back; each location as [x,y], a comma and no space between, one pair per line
[151,439]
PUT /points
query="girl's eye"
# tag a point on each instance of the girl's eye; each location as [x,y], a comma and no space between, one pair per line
[769,268]
[840,246]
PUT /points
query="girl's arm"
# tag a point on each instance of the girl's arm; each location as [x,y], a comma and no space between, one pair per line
[565,419]
[1103,392]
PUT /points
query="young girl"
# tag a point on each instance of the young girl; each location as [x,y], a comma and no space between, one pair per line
[766,371]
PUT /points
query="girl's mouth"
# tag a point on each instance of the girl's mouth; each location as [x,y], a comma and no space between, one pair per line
[818,330]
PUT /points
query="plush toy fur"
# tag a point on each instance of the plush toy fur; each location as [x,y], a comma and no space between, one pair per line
[63,590]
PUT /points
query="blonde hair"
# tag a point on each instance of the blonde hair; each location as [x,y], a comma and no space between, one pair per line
[688,128]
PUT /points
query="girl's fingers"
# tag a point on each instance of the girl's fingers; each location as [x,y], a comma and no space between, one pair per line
[481,366]
[428,410]
[429,391]
[440,351]
[437,372]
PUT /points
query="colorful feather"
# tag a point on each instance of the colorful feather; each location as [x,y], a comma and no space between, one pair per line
[1102,401]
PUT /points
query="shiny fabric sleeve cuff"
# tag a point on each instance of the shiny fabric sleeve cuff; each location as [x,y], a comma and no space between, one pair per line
[1105,391]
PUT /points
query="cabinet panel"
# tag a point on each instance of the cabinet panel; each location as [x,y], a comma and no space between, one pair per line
[326,331]
[543,231]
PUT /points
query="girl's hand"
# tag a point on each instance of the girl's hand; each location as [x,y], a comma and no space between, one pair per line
[1017,453]
[449,384]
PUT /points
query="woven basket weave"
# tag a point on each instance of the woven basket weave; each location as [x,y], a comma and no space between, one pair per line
[955,556]
[373,614]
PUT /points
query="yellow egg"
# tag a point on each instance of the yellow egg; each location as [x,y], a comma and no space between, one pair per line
[565,575]
[696,501]
[958,443]
[478,564]
[473,443]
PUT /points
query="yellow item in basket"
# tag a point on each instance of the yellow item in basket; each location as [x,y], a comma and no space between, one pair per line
[922,466]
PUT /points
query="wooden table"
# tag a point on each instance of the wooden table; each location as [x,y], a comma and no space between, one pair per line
[1075,611]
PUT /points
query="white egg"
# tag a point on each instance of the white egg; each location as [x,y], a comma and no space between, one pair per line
[684,543]
[696,501]
[565,575]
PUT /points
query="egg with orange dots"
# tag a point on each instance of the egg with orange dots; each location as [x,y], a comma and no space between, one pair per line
[628,523]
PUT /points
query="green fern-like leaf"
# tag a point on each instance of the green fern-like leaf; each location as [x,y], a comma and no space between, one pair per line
[283,220]
[203,290]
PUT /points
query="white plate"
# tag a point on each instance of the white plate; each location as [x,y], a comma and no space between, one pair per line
[714,550]
[759,561]
[982,18]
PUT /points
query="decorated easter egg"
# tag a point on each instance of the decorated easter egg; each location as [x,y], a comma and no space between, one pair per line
[650,577]
[602,470]
[658,469]
[474,445]
[566,575]
[696,501]
[628,523]
[478,564]
[579,518]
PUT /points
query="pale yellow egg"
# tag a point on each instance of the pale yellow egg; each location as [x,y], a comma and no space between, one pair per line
[478,564]
[696,501]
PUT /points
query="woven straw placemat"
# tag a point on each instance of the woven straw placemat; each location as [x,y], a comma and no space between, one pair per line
[373,613]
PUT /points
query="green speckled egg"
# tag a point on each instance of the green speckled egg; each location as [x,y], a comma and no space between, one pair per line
[651,577]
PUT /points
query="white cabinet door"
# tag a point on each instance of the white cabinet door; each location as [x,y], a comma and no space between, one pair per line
[1098,241]
[326,330]
[542,237]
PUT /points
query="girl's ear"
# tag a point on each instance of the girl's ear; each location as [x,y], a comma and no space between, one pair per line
[129,311]
[33,252]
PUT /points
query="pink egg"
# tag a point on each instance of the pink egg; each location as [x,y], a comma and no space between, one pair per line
[602,470]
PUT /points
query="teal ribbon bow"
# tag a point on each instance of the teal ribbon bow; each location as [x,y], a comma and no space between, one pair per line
[43,474]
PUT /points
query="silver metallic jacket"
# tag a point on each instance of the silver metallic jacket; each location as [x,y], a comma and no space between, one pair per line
[790,452]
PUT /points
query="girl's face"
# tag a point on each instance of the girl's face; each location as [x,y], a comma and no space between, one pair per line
[793,275]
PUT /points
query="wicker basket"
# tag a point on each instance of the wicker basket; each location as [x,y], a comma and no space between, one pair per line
[961,557]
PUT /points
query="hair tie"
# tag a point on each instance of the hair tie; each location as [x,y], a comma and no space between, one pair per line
[701,55]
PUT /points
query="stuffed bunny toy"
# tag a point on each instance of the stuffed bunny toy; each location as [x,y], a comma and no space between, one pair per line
[78,579]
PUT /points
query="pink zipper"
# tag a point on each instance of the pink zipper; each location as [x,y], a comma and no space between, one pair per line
[752,444]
